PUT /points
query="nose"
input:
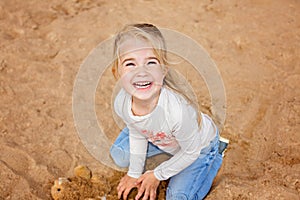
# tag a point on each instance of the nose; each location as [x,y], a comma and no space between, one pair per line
[141,70]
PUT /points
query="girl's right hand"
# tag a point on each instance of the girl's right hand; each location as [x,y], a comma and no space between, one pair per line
[125,186]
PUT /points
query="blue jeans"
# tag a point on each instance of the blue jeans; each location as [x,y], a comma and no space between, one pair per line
[192,183]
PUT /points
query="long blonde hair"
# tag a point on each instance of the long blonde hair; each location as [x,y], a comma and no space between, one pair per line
[152,34]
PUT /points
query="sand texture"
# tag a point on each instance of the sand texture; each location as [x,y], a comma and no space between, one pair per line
[254,43]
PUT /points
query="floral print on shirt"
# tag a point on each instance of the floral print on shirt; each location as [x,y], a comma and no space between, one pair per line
[160,138]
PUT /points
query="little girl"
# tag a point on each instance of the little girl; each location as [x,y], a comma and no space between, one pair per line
[160,118]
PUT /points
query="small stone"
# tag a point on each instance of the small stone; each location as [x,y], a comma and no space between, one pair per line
[83,172]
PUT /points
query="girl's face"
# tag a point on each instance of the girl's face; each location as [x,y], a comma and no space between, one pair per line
[140,70]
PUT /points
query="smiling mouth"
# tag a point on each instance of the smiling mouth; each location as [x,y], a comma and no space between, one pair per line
[142,84]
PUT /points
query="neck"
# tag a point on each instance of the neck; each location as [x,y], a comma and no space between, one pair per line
[143,107]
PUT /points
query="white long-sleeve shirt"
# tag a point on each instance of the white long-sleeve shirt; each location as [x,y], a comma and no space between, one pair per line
[172,126]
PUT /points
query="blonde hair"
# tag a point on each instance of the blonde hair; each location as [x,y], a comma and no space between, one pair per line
[152,34]
[145,32]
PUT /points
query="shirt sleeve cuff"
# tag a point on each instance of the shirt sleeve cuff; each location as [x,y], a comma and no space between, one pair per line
[157,175]
[134,174]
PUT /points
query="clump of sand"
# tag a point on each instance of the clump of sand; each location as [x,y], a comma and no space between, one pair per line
[88,186]
[83,185]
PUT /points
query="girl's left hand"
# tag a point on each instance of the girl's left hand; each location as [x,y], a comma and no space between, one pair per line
[148,185]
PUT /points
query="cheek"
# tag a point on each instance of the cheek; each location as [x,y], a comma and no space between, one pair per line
[125,79]
[159,77]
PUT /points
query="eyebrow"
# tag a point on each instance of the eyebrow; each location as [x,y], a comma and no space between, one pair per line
[152,57]
[128,59]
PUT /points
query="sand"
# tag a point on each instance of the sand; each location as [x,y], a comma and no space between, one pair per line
[255,44]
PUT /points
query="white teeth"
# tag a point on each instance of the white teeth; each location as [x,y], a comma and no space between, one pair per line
[142,84]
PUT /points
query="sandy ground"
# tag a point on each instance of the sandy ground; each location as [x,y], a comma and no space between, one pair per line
[255,44]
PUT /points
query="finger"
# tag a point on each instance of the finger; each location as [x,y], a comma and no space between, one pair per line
[153,195]
[120,185]
[125,194]
[119,188]
[146,195]
[139,180]
[140,193]
[120,194]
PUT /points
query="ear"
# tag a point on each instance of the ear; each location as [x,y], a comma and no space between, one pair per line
[116,71]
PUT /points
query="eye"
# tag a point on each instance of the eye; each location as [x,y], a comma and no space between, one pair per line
[152,62]
[129,64]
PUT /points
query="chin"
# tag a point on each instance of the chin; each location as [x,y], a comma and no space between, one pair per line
[145,97]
